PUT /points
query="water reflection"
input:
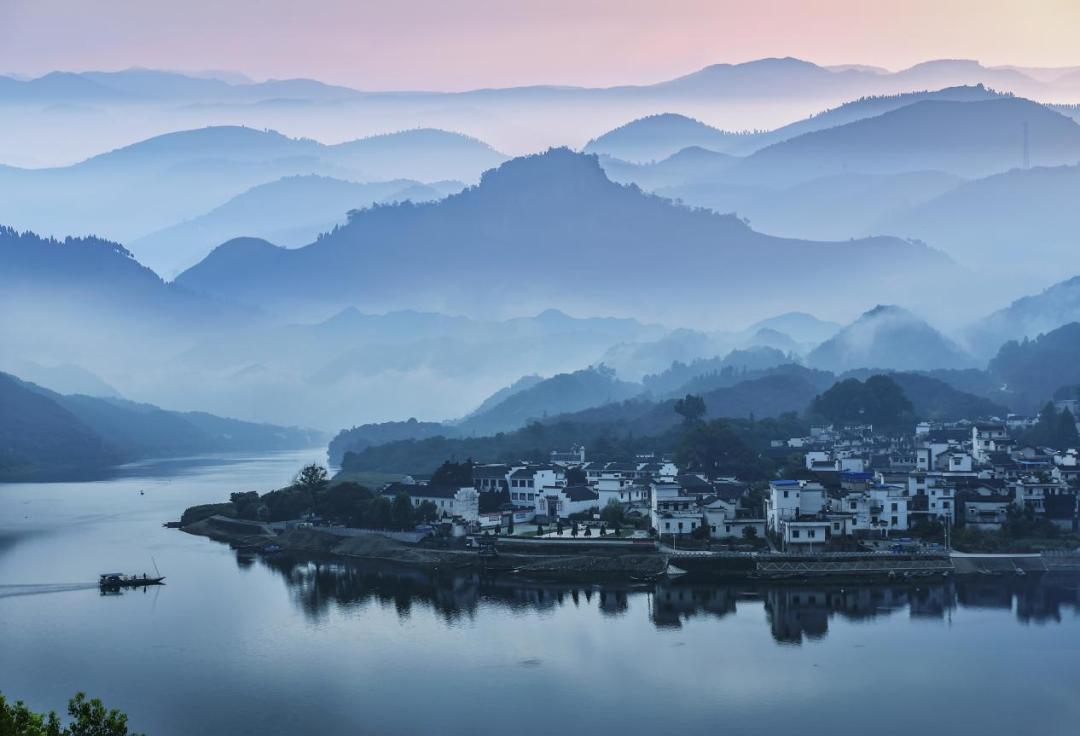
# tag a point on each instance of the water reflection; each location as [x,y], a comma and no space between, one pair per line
[794,613]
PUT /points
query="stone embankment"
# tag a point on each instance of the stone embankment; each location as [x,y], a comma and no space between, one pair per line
[554,560]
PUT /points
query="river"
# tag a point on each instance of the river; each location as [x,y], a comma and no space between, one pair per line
[235,644]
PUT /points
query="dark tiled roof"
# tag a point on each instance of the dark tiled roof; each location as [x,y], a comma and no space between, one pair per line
[581,493]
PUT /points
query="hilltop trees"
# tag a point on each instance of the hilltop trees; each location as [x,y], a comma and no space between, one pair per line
[1054,429]
[691,408]
[715,449]
[312,479]
[878,401]
[453,474]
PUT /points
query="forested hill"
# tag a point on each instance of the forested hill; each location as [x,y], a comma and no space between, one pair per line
[538,231]
[46,435]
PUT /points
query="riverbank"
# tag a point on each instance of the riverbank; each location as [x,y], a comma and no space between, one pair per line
[580,560]
[593,562]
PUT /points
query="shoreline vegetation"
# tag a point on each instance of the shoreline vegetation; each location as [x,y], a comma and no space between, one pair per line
[88,718]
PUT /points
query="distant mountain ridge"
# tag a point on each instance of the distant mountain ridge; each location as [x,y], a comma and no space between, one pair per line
[536,214]
[657,137]
[964,138]
[47,435]
[290,212]
[888,337]
[156,183]
[1027,317]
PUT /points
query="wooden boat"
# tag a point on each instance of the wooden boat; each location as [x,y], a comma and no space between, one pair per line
[119,580]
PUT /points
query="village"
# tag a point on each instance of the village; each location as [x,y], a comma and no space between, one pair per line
[857,490]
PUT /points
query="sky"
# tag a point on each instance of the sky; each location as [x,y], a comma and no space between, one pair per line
[466,44]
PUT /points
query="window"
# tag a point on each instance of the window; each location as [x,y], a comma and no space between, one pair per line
[895,521]
[785,494]
[794,533]
[895,507]
[810,533]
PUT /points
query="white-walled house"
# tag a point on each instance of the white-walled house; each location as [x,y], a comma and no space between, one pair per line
[724,521]
[613,487]
[676,515]
[790,499]
[557,502]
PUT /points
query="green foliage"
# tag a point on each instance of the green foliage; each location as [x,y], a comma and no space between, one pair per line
[454,475]
[87,718]
[379,514]
[749,533]
[614,513]
[878,401]
[691,408]
[427,511]
[248,505]
[402,512]
[205,511]
[700,532]
[1054,429]
[1035,369]
[312,481]
[715,449]
[346,503]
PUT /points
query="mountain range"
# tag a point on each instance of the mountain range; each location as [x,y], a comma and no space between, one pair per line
[539,230]
[888,337]
[157,183]
[289,212]
[47,436]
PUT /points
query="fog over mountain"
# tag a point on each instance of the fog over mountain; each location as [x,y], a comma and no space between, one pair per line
[1027,317]
[64,117]
[559,219]
[289,212]
[657,137]
[892,338]
[1023,211]
[423,273]
[131,192]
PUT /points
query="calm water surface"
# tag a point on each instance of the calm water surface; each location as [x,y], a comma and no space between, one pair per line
[242,645]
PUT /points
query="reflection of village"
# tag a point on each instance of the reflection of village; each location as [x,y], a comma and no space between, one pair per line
[793,612]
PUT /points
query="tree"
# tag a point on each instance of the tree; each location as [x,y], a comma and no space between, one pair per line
[878,401]
[510,525]
[1066,436]
[379,513]
[88,718]
[574,530]
[346,503]
[427,511]
[713,448]
[312,480]
[691,408]
[453,474]
[402,512]
[588,531]
[613,512]
[749,533]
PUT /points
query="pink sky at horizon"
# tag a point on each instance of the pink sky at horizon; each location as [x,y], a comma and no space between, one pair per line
[466,44]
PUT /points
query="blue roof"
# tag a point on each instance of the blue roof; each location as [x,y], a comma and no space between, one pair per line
[784,482]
